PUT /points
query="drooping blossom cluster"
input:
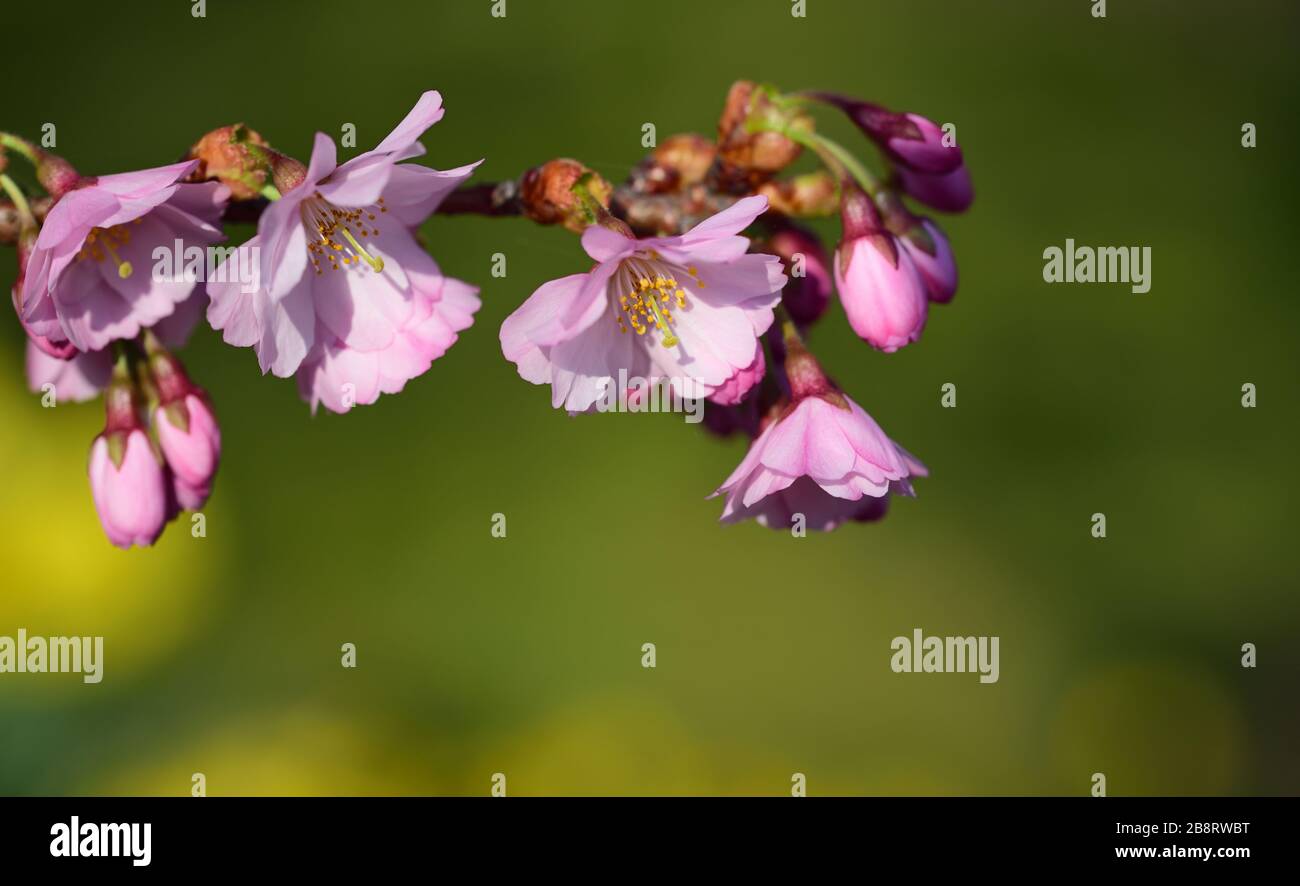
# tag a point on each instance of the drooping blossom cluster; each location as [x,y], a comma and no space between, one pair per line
[704,278]
[334,288]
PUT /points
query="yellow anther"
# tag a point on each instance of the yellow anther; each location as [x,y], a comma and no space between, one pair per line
[124,268]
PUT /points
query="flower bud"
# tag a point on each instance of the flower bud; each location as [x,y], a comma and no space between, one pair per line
[190,440]
[947,193]
[879,285]
[547,195]
[231,155]
[810,194]
[927,246]
[187,429]
[56,175]
[912,141]
[748,159]
[186,497]
[688,155]
[286,172]
[677,163]
[808,291]
[126,480]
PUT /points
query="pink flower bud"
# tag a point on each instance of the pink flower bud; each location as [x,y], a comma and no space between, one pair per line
[128,487]
[928,248]
[879,285]
[190,440]
[923,149]
[56,175]
[912,141]
[925,244]
[186,497]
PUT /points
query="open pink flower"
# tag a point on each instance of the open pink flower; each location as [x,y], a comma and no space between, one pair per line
[84,374]
[686,309]
[90,277]
[75,380]
[340,285]
[821,456]
[342,377]
[820,510]
[739,385]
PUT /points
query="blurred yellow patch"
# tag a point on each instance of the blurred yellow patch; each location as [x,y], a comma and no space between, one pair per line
[304,752]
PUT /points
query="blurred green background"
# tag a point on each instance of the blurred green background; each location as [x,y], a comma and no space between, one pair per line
[522,655]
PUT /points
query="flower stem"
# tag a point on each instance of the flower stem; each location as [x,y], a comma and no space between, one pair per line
[26,219]
[21,146]
[834,155]
[789,330]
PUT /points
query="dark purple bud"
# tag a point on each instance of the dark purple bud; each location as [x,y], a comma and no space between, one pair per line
[808,291]
[911,140]
[947,193]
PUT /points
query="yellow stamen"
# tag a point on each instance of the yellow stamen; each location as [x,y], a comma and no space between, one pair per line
[669,340]
[373,260]
[124,268]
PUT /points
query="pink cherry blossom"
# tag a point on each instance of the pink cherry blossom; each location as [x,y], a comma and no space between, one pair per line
[838,452]
[75,380]
[341,377]
[343,293]
[740,384]
[83,375]
[820,510]
[687,309]
[90,277]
